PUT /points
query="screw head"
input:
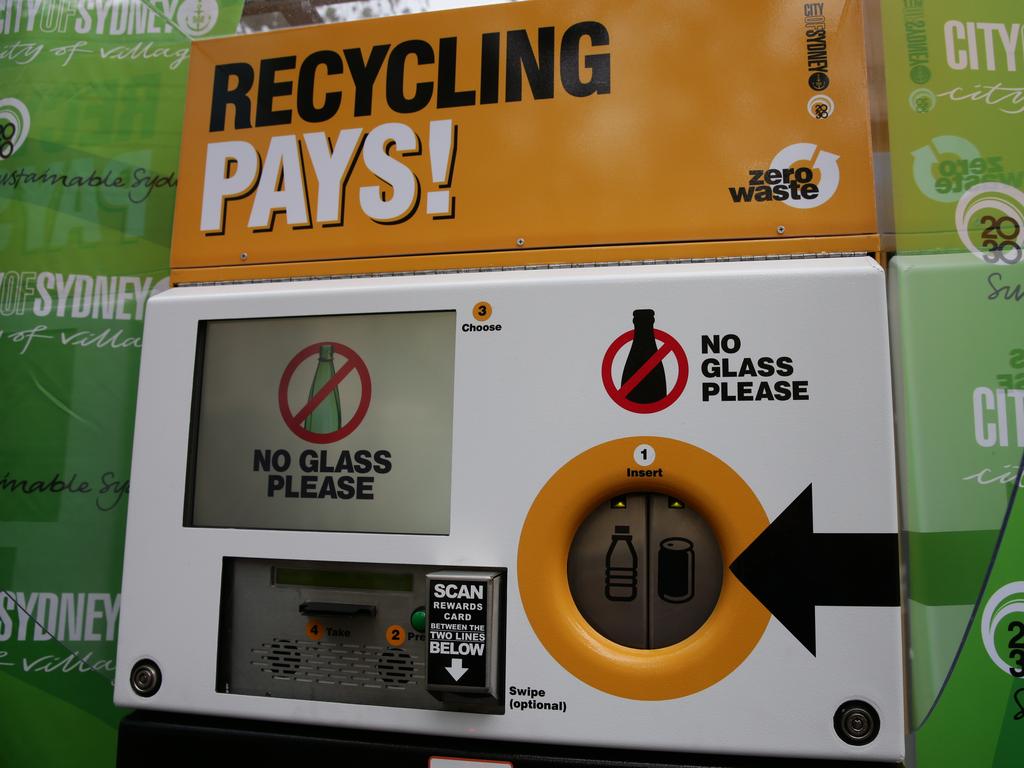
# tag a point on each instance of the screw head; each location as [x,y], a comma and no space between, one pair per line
[780,229]
[243,255]
[520,242]
[856,722]
[145,678]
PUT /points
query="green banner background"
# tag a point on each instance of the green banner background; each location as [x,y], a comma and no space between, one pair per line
[91,102]
[91,98]
[955,80]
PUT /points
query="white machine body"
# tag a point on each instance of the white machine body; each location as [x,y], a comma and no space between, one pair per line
[527,394]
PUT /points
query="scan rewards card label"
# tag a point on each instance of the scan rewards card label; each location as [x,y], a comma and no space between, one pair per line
[529,125]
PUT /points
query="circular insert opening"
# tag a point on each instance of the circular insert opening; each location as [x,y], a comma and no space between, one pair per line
[645,570]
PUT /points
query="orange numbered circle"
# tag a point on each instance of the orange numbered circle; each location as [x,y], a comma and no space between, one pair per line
[395,635]
[481,311]
[314,630]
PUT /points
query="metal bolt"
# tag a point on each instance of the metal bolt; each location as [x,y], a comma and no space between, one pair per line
[145,678]
[856,723]
[520,242]
[243,255]
[780,229]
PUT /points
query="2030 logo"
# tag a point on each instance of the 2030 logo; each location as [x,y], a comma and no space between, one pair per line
[999,211]
[14,125]
[790,178]
[1007,601]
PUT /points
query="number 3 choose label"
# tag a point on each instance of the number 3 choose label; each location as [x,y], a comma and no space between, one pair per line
[481,311]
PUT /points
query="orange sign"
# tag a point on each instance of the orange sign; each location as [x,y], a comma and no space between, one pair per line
[526,126]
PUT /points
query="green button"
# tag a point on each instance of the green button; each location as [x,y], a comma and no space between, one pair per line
[419,619]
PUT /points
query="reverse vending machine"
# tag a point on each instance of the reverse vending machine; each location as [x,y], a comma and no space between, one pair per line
[481,438]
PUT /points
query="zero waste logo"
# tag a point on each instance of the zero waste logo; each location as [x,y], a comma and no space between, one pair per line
[790,178]
[999,211]
[1006,602]
[825,163]
[927,158]
[947,166]
[14,125]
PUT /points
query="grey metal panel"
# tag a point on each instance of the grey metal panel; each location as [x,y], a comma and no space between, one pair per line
[268,649]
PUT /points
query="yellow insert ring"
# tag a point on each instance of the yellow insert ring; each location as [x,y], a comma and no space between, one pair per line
[727,504]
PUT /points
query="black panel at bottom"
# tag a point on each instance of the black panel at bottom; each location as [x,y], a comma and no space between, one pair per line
[147,739]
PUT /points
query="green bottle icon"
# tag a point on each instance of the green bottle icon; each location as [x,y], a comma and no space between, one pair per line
[326,417]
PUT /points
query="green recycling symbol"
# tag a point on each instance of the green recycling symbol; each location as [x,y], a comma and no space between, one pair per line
[927,157]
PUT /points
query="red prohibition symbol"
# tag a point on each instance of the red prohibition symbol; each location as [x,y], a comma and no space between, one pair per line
[669,346]
[353,362]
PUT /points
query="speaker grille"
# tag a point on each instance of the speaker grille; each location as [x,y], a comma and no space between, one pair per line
[348,664]
[395,666]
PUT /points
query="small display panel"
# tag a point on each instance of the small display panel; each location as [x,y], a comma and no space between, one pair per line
[326,423]
[355,633]
[385,582]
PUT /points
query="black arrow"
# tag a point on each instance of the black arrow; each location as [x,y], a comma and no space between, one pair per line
[791,569]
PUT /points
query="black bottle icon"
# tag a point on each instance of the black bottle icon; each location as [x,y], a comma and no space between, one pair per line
[621,567]
[652,387]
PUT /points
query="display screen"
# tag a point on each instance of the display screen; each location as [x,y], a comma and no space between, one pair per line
[327,423]
[376,581]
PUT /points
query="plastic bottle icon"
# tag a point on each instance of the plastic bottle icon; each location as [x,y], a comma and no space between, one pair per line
[620,567]
[652,387]
[326,417]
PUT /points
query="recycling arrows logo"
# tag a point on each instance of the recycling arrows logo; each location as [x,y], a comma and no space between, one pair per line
[825,163]
[927,157]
